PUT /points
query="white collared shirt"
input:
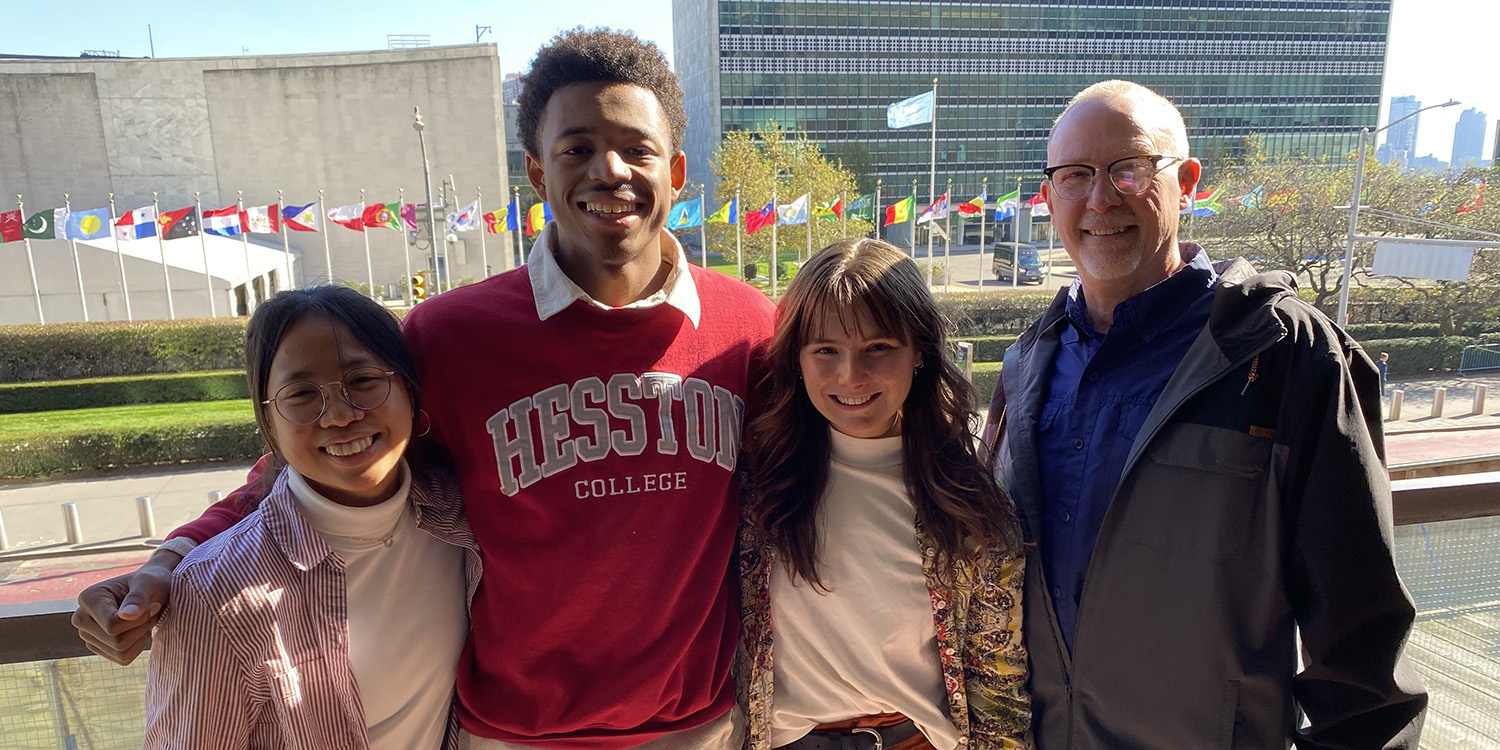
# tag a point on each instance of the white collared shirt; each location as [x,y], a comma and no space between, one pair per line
[554,291]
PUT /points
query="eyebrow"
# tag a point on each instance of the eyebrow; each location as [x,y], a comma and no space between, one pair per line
[586,130]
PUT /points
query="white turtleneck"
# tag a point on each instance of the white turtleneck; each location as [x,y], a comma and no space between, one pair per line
[869,646]
[407,613]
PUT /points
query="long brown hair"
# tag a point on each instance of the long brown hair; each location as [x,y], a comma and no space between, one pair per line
[958,502]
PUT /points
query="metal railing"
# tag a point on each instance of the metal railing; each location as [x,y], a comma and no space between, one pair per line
[56,694]
[1479,357]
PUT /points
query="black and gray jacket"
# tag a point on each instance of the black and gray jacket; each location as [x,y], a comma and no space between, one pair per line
[1254,504]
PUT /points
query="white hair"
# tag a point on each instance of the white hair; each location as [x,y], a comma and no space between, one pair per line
[1162,118]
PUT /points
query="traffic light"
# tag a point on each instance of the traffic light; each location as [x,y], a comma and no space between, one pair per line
[419,287]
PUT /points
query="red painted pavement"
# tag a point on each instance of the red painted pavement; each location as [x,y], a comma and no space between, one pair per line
[62,577]
[1412,447]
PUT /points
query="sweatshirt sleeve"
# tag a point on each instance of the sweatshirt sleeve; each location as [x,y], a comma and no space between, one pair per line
[228,512]
[1357,688]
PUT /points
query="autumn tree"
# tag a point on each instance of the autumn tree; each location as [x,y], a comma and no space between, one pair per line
[752,164]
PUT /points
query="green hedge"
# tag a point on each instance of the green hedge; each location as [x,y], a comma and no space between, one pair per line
[119,391]
[1374,331]
[1418,357]
[45,455]
[972,314]
[70,351]
[985,375]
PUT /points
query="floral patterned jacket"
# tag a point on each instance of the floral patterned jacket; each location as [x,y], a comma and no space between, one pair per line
[978,622]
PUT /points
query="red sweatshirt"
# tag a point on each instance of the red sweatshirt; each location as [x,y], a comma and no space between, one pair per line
[596,453]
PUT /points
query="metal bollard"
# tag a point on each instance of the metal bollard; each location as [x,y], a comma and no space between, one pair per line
[71,524]
[214,497]
[4,540]
[145,516]
[1396,398]
[1438,397]
[1480,391]
[966,359]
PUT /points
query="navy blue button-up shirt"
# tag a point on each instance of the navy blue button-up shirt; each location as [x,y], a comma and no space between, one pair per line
[1100,390]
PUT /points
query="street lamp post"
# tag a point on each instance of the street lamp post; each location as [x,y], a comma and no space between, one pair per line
[432,238]
[1359,179]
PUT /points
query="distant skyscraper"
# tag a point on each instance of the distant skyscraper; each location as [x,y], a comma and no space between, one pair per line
[1468,139]
[1401,140]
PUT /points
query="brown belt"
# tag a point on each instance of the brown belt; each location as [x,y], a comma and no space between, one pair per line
[879,732]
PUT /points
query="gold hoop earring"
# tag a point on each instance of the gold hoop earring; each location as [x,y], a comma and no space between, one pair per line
[423,413]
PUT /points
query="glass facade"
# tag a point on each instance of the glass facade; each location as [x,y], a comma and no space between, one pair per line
[1304,75]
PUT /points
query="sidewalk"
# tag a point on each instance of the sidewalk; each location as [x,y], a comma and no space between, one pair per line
[1416,409]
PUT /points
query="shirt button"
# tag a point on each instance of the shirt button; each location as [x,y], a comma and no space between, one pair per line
[1067,517]
[1056,593]
[1093,377]
[1077,445]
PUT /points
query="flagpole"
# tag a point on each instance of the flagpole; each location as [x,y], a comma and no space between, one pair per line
[932,164]
[239,203]
[1015,257]
[36,290]
[703,224]
[948,238]
[844,213]
[808,208]
[119,256]
[406,294]
[515,193]
[984,190]
[877,218]
[912,219]
[83,300]
[365,233]
[929,241]
[774,262]
[739,256]
[286,246]
[327,255]
[484,253]
[208,278]
[161,248]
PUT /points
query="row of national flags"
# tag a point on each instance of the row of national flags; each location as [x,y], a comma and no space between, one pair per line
[234,221]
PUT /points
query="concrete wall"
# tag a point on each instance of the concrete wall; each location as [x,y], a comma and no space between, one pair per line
[249,127]
[695,49]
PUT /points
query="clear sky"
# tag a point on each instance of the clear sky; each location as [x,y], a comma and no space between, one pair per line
[1440,49]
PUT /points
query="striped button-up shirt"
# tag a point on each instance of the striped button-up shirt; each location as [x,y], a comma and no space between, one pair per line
[253,651]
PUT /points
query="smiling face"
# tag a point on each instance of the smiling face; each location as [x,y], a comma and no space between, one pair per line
[857,379]
[348,455]
[1126,241]
[609,171]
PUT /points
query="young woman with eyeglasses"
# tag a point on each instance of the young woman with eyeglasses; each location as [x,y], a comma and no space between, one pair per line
[880,563]
[335,613]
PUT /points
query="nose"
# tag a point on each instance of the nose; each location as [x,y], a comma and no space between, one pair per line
[337,411]
[851,370]
[609,168]
[1103,195]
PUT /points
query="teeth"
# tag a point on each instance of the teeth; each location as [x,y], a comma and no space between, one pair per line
[1103,232]
[609,208]
[349,449]
[851,401]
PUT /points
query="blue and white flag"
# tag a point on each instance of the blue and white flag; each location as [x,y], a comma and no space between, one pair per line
[88,225]
[686,215]
[1008,205]
[908,112]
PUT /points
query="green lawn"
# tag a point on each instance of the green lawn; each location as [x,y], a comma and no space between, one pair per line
[14,426]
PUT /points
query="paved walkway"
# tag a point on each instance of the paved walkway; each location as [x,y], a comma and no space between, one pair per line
[1417,397]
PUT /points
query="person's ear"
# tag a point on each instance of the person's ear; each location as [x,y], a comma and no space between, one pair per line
[679,173]
[536,175]
[1188,173]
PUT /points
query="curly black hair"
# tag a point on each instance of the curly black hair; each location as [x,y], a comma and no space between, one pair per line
[593,55]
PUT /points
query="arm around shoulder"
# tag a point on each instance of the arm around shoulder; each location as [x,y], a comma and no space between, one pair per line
[995,659]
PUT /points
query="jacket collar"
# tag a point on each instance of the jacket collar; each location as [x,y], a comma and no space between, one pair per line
[554,292]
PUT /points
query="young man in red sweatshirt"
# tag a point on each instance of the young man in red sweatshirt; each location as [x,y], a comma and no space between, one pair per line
[591,403]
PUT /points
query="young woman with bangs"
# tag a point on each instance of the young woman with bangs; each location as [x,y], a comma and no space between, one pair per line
[881,564]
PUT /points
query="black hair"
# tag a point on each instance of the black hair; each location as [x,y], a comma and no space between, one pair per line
[368,320]
[593,56]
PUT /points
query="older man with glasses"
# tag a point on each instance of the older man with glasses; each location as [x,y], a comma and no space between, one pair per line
[1197,456]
